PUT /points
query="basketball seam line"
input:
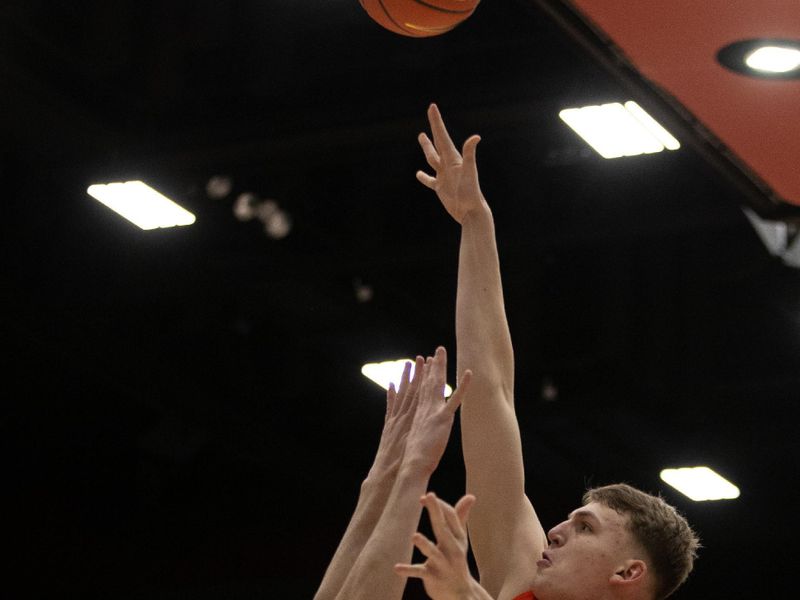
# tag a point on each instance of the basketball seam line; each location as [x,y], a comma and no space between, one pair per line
[391,18]
[415,33]
[445,10]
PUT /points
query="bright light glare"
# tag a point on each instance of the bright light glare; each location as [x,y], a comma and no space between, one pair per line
[141,204]
[774,59]
[700,483]
[614,130]
[390,371]
[653,126]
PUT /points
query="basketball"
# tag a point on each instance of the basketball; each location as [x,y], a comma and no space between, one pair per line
[419,18]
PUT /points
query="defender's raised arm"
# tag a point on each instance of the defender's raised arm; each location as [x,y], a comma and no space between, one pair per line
[371,574]
[401,405]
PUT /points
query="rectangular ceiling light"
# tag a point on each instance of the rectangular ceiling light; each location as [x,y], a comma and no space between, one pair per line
[141,204]
[700,483]
[616,130]
[390,371]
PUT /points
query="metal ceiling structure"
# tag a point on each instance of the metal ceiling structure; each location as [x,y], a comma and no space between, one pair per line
[191,420]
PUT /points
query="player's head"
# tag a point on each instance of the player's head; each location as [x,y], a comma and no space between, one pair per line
[622,543]
[668,542]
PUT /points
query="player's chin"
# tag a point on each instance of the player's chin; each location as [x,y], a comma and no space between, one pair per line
[540,578]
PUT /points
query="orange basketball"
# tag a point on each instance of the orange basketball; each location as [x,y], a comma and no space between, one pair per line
[419,18]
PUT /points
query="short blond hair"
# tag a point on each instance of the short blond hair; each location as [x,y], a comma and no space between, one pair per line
[662,532]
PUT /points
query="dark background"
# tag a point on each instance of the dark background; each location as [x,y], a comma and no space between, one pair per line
[184,411]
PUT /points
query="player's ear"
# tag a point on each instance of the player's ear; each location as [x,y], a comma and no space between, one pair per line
[632,571]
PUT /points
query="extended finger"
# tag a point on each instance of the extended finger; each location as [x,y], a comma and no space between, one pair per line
[469,155]
[403,389]
[427,547]
[441,139]
[458,396]
[418,571]
[430,152]
[391,399]
[438,523]
[412,394]
[469,149]
[440,369]
[452,520]
[425,385]
[419,362]
[426,180]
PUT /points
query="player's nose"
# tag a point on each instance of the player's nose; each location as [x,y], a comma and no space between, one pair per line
[556,535]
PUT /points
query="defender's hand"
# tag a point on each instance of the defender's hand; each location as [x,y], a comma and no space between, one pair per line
[445,574]
[401,405]
[433,419]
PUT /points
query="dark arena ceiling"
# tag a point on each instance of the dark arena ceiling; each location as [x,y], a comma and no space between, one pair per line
[185,415]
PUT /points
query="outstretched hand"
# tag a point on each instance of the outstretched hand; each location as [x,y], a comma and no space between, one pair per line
[445,574]
[433,418]
[456,174]
[401,405]
[366,540]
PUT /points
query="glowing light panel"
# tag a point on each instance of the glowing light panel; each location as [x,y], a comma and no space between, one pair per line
[774,59]
[390,371]
[140,204]
[615,130]
[700,483]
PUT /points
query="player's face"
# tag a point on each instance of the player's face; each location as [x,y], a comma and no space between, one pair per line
[585,552]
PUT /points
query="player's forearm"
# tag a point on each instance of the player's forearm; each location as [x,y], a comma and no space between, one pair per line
[483,338]
[489,430]
[484,347]
[374,493]
[372,576]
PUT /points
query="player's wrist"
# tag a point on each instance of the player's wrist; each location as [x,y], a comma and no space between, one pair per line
[386,462]
[476,591]
[478,213]
[379,475]
[416,467]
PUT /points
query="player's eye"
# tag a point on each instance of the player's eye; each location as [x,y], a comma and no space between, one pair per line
[584,526]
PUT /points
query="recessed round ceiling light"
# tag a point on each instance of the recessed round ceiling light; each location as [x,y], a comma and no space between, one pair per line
[774,59]
[763,58]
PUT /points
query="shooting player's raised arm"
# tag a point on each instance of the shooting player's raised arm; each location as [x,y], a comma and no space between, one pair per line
[507,537]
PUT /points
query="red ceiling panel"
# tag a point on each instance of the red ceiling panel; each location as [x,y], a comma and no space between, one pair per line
[674,45]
